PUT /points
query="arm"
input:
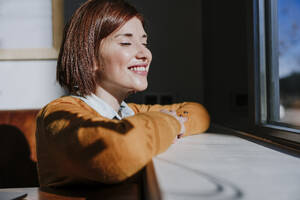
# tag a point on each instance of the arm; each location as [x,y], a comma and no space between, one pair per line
[87,146]
[197,116]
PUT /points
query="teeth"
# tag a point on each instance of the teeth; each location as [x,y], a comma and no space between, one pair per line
[139,69]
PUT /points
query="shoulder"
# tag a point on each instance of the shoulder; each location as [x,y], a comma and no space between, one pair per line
[65,104]
[65,100]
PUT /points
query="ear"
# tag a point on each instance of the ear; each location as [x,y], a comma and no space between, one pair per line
[97,57]
[96,64]
[97,69]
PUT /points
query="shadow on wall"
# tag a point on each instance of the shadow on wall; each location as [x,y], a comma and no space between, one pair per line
[16,168]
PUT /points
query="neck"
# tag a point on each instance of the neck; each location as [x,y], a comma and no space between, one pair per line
[114,99]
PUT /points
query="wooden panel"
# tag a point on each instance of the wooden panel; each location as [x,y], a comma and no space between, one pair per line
[24,120]
[17,149]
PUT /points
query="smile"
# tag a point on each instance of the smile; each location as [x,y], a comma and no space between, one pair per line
[139,69]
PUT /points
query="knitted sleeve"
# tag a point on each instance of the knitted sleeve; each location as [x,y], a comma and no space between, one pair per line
[198,119]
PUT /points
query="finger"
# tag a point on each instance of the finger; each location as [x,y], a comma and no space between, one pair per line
[166,112]
[182,131]
[183,119]
[172,112]
[175,140]
[163,110]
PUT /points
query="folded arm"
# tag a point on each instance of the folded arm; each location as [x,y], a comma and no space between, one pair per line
[77,143]
[198,119]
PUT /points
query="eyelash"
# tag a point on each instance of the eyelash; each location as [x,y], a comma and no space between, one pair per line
[125,43]
[128,44]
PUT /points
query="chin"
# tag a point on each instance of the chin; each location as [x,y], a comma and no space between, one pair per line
[141,87]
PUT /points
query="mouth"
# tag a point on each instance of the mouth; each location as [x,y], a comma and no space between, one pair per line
[140,69]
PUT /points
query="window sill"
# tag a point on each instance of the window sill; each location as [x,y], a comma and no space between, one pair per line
[222,166]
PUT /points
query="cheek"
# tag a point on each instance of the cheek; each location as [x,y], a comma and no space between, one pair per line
[150,56]
[118,60]
[123,57]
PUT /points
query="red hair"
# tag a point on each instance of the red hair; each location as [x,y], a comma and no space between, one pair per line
[79,52]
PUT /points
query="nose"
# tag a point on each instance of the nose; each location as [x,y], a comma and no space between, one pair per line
[144,53]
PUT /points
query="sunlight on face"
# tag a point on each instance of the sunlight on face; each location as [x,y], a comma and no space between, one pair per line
[125,59]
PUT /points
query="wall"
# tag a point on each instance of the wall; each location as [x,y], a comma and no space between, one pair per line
[26,84]
[226,60]
[174,28]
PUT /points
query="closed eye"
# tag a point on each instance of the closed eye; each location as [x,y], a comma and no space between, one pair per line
[125,43]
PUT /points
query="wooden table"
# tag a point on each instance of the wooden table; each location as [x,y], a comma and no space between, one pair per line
[115,192]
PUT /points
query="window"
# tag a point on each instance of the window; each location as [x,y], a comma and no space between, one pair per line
[276,75]
[289,60]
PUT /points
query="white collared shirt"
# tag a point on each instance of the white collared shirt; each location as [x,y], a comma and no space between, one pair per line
[106,110]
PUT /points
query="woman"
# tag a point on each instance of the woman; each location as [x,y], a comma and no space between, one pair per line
[93,136]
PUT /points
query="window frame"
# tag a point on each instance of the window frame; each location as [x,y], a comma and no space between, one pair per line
[263,60]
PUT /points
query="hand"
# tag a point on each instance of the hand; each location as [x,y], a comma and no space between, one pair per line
[180,119]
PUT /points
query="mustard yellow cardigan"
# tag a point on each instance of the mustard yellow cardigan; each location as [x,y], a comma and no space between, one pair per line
[76,145]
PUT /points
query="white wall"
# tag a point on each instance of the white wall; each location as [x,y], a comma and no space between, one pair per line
[26,84]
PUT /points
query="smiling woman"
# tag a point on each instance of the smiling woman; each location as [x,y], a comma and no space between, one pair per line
[124,61]
[92,136]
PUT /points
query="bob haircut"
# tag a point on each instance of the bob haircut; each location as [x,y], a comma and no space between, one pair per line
[79,52]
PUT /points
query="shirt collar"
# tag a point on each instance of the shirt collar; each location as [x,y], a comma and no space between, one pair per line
[105,109]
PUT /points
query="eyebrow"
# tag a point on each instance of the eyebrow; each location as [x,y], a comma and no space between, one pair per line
[129,35]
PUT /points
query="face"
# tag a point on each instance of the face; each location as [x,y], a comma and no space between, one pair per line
[125,59]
